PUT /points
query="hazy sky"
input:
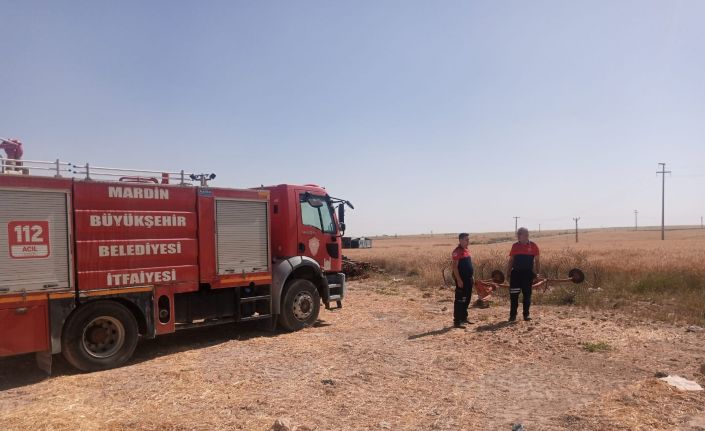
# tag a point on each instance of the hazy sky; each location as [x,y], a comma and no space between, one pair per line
[428,115]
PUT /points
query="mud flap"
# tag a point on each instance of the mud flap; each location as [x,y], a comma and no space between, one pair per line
[44,361]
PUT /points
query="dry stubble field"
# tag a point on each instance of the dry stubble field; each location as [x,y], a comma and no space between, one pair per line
[389,360]
[632,271]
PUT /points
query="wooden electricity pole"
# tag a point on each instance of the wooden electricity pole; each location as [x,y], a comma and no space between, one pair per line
[576,227]
[516,223]
[663,173]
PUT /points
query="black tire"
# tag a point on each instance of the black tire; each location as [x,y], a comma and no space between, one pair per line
[300,305]
[99,336]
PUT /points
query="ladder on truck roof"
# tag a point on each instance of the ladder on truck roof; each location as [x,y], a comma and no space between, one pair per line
[60,169]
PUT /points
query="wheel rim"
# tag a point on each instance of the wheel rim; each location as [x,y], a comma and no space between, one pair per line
[303,306]
[103,337]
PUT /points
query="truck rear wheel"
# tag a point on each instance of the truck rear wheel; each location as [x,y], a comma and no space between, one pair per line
[300,305]
[99,336]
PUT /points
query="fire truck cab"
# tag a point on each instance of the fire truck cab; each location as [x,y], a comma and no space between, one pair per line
[87,265]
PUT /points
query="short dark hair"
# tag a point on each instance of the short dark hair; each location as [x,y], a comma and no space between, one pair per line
[463,235]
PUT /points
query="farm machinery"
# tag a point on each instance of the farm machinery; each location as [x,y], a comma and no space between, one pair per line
[497,280]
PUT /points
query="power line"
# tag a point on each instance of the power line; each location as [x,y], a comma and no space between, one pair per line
[636,225]
[663,173]
[576,227]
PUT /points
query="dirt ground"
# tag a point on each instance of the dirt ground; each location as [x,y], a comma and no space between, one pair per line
[388,360]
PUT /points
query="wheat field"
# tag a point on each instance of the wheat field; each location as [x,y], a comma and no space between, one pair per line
[627,269]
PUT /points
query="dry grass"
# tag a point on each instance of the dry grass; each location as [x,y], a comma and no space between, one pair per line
[641,406]
[599,346]
[382,362]
[664,280]
[390,360]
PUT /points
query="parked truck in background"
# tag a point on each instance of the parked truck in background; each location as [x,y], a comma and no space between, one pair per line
[89,265]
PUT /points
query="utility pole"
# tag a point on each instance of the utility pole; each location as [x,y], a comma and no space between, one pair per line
[701,219]
[636,225]
[576,227]
[663,173]
[516,223]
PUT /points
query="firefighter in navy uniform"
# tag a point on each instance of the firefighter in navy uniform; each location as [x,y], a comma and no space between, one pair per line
[462,273]
[523,267]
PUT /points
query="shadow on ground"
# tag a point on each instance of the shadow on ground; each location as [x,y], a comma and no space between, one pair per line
[19,371]
[431,333]
[492,327]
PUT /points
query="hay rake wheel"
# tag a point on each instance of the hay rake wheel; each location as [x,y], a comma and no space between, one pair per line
[447,276]
[485,287]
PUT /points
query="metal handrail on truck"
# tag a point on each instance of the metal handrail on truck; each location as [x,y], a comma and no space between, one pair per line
[57,167]
[164,177]
[60,169]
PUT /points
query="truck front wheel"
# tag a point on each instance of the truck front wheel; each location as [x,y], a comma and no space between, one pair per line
[300,305]
[99,336]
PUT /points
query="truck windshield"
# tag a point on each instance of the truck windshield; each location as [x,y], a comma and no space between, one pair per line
[319,217]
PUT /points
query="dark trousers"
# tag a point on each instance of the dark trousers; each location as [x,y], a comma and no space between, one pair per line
[462,300]
[520,283]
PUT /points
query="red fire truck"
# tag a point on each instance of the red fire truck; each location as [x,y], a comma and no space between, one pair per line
[88,265]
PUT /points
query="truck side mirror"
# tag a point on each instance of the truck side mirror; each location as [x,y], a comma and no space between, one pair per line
[341,215]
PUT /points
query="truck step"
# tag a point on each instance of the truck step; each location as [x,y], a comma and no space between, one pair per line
[255,298]
[203,323]
[338,303]
[260,317]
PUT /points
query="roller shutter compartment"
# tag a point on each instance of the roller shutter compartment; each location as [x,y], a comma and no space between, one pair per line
[34,241]
[242,236]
